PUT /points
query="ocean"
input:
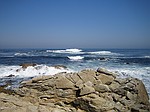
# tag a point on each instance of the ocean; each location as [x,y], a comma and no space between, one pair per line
[124,62]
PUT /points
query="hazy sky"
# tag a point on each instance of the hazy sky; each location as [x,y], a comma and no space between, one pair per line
[74,23]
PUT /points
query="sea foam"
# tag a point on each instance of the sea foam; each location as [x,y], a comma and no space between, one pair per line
[30,71]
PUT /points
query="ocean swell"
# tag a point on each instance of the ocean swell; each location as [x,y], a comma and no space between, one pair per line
[103,53]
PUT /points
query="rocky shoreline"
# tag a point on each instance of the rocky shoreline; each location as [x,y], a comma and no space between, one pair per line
[85,91]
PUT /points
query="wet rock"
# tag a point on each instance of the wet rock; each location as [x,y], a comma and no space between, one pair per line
[102,58]
[11,75]
[7,91]
[25,65]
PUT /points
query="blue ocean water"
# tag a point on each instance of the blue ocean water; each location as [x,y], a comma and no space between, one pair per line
[125,62]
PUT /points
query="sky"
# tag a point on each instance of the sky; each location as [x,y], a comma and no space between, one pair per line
[75,24]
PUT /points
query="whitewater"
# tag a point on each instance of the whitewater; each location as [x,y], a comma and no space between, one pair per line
[124,62]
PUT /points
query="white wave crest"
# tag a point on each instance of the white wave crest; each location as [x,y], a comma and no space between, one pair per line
[21,54]
[103,53]
[73,50]
[65,51]
[75,58]
[30,71]
[147,56]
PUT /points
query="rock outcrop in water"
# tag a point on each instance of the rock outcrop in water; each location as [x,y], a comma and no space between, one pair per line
[86,91]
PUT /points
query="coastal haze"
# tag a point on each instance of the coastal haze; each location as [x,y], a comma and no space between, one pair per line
[74,24]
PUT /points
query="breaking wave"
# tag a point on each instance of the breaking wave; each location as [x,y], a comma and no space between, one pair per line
[72,51]
[75,58]
[30,71]
[21,54]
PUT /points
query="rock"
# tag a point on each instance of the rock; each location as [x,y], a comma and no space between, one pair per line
[41,78]
[79,84]
[120,91]
[86,90]
[87,75]
[60,103]
[116,97]
[66,93]
[58,110]
[45,96]
[104,71]
[114,85]
[106,79]
[42,108]
[63,83]
[120,107]
[9,103]
[94,104]
[131,96]
[88,83]
[75,77]
[103,58]
[7,91]
[121,81]
[60,66]
[142,93]
[32,109]
[25,65]
[11,75]
[102,88]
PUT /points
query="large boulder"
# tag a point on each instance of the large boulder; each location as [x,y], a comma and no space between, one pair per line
[142,93]
[106,79]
